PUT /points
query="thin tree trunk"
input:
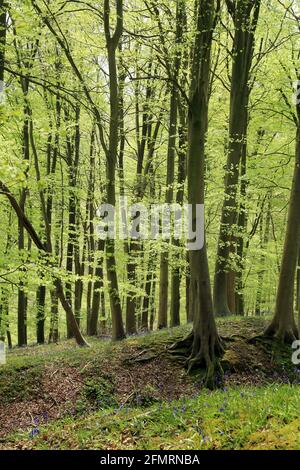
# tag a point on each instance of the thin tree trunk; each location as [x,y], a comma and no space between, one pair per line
[54,333]
[146,303]
[264,239]
[164,259]
[4,317]
[72,147]
[152,303]
[112,42]
[242,223]
[176,272]
[91,228]
[177,269]
[22,296]
[98,286]
[40,320]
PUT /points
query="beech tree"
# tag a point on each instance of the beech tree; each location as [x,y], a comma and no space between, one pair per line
[245,17]
[204,344]
[283,325]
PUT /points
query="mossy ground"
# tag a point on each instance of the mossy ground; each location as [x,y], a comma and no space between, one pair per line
[132,395]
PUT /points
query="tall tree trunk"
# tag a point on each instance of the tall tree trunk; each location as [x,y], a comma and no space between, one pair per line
[143,138]
[79,264]
[164,260]
[131,247]
[245,16]
[22,296]
[72,147]
[52,157]
[204,344]
[283,325]
[91,228]
[176,272]
[112,42]
[177,269]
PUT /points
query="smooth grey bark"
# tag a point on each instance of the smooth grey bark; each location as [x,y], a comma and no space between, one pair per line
[204,344]
[245,15]
[176,274]
[112,42]
[283,325]
[264,239]
[183,59]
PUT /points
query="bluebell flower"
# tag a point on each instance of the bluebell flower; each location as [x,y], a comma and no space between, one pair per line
[34,432]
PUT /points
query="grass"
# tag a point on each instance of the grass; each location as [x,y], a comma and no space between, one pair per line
[234,418]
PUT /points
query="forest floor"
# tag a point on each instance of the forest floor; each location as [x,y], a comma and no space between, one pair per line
[133,395]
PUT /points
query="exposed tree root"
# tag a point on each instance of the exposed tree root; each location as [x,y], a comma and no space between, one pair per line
[283,333]
[143,357]
[183,344]
[202,354]
[232,338]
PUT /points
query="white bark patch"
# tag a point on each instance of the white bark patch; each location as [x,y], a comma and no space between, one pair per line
[2,91]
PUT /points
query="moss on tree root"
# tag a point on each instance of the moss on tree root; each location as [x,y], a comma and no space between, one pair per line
[203,355]
[284,334]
